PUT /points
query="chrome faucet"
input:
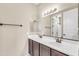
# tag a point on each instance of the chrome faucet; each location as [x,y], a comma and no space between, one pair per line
[58,39]
[40,35]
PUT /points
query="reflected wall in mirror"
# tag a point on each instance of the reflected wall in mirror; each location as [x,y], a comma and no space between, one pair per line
[70,24]
[44,25]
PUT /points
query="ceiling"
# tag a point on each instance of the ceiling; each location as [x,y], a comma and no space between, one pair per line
[36,4]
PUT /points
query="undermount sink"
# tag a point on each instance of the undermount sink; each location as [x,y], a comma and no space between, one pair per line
[48,39]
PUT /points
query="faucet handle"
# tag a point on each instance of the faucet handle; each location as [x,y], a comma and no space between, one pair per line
[64,34]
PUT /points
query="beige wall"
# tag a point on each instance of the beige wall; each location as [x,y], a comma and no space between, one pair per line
[13,40]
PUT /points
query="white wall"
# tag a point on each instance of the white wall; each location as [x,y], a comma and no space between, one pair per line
[13,40]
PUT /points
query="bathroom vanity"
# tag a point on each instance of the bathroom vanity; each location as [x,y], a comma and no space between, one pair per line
[43,47]
[38,49]
[62,24]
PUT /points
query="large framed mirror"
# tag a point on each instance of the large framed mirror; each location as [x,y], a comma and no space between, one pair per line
[62,24]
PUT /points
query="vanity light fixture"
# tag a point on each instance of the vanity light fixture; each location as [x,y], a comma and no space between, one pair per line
[55,9]
[50,11]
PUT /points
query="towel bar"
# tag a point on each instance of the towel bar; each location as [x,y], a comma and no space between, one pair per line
[1,24]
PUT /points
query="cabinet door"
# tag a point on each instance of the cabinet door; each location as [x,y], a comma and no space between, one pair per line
[35,48]
[57,53]
[30,47]
[44,50]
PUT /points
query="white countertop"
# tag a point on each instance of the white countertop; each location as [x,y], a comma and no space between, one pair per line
[68,47]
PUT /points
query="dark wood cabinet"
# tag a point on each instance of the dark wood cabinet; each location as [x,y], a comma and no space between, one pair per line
[56,53]
[44,50]
[30,43]
[36,48]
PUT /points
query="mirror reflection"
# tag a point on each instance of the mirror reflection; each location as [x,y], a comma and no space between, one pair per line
[63,24]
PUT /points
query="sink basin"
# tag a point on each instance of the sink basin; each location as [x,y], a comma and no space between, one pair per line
[48,39]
